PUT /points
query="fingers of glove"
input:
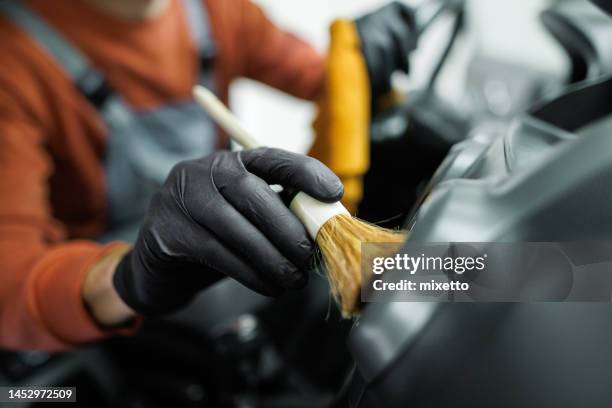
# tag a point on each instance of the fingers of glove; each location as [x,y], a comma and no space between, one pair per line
[404,12]
[387,36]
[245,239]
[215,213]
[400,56]
[377,22]
[295,171]
[198,258]
[254,199]
[401,29]
[380,52]
[221,258]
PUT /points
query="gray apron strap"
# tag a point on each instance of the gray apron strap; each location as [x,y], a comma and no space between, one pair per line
[201,34]
[86,78]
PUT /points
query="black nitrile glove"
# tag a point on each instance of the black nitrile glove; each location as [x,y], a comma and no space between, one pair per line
[387,36]
[217,217]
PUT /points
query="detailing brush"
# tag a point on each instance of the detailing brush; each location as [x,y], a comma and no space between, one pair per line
[337,235]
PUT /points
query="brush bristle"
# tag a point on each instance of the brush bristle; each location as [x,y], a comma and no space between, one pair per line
[339,241]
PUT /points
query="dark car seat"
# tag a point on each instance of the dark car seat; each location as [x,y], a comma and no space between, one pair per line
[547,179]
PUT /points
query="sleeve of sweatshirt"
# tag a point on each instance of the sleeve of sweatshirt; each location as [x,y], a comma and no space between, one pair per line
[253,47]
[41,274]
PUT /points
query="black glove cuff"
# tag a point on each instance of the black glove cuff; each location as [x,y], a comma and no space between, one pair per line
[127,286]
[123,281]
[147,298]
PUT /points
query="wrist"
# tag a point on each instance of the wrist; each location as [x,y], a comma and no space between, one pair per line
[100,295]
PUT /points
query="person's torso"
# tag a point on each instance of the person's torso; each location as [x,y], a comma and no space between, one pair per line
[107,165]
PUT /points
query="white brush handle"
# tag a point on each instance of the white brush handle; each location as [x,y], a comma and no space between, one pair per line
[224,118]
[311,212]
[314,213]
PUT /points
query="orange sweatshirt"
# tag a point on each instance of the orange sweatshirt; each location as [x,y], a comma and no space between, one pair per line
[52,142]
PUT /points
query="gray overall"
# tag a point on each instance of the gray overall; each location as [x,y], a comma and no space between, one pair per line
[142,145]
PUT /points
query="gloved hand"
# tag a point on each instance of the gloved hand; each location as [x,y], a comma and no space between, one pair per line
[387,37]
[216,217]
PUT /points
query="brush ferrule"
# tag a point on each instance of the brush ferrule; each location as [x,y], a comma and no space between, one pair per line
[314,213]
